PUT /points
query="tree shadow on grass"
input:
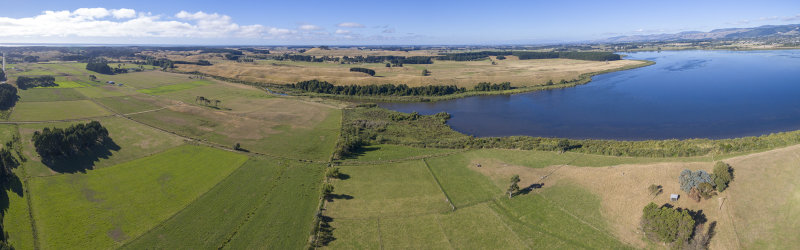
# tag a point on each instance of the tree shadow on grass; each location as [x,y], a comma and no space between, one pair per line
[11,185]
[82,160]
[361,151]
[531,188]
[332,197]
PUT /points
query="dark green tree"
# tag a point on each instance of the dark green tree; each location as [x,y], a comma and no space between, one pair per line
[722,175]
[513,188]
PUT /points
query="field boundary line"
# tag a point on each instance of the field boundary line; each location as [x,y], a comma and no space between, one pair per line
[447,197]
[419,157]
[34,230]
[516,235]
[161,224]
[380,235]
[439,222]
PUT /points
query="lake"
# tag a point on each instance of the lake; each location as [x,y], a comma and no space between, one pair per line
[686,94]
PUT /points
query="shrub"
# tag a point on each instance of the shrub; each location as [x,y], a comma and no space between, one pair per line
[689,179]
[722,175]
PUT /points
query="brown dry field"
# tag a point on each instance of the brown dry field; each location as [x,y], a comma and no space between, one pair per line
[760,208]
[462,74]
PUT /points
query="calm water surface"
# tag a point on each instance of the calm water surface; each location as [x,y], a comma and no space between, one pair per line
[686,94]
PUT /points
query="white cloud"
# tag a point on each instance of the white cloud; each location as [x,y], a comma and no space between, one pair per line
[388,30]
[350,25]
[100,22]
[309,27]
[91,13]
[123,13]
[342,32]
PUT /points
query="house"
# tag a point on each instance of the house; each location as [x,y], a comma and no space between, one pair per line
[673,197]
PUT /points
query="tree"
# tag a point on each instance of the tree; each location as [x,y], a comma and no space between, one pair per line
[388,65]
[332,172]
[563,145]
[8,96]
[99,66]
[722,175]
[327,189]
[689,179]
[93,77]
[425,72]
[216,103]
[237,147]
[514,187]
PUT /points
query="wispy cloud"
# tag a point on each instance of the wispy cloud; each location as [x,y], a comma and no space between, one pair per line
[767,19]
[350,25]
[342,32]
[309,27]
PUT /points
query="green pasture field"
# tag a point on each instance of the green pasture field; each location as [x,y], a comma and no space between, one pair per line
[129,104]
[284,219]
[231,96]
[194,228]
[130,141]
[174,87]
[146,79]
[315,142]
[463,185]
[66,85]
[61,110]
[399,189]
[105,208]
[49,95]
[105,90]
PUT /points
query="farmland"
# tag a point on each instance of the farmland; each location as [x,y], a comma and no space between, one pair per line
[243,168]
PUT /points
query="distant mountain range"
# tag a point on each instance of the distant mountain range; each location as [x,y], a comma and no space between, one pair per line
[792,30]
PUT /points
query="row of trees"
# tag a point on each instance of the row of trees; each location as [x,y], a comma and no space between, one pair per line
[363,70]
[316,86]
[485,86]
[8,96]
[473,56]
[591,56]
[24,82]
[395,60]
[206,101]
[65,142]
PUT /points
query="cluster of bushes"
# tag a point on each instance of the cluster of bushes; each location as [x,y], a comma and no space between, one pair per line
[24,82]
[65,142]
[363,70]
[667,224]
[99,66]
[220,50]
[485,86]
[700,184]
[199,62]
[162,63]
[316,86]
[8,96]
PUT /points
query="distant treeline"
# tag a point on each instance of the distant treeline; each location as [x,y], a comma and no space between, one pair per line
[486,86]
[256,51]
[24,82]
[165,63]
[526,55]
[64,142]
[363,70]
[8,96]
[217,50]
[396,60]
[316,86]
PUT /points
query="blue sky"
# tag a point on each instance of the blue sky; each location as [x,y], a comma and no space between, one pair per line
[372,22]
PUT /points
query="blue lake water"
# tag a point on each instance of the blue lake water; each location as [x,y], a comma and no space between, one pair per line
[686,94]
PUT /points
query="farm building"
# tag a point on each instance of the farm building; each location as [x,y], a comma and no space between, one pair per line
[673,197]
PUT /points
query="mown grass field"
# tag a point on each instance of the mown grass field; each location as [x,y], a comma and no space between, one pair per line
[61,110]
[146,79]
[105,208]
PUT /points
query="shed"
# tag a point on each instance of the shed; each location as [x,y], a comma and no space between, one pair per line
[673,197]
